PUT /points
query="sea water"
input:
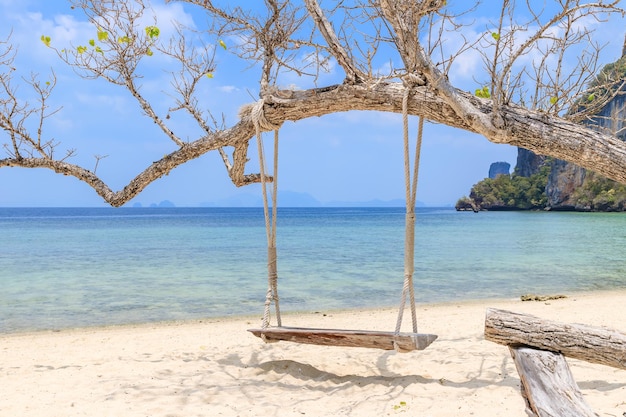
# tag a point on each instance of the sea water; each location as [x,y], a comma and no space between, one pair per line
[69,267]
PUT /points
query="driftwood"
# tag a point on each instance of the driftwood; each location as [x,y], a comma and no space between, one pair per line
[591,344]
[402,342]
[548,385]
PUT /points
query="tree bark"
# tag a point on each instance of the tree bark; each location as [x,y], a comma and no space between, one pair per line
[536,131]
[547,384]
[591,344]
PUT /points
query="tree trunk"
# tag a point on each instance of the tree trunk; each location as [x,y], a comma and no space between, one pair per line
[548,385]
[591,344]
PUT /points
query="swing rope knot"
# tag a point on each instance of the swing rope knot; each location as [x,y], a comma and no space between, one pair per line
[411,80]
[255,114]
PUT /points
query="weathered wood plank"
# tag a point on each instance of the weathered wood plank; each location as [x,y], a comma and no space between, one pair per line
[406,342]
[591,344]
[548,385]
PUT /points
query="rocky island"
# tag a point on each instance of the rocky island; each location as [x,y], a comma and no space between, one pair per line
[541,183]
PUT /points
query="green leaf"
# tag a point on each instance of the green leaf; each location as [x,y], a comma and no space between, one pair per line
[209,75]
[553,99]
[99,50]
[92,42]
[149,52]
[45,40]
[222,44]
[482,92]
[81,49]
[591,97]
[495,35]
[102,35]
[152,32]
[123,39]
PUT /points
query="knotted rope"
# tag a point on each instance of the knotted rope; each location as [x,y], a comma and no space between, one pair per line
[261,124]
[411,192]
[256,115]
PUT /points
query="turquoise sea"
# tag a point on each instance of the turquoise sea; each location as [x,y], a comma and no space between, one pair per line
[69,267]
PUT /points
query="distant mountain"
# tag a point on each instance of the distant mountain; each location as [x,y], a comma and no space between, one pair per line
[239,200]
[297,199]
[164,203]
[371,203]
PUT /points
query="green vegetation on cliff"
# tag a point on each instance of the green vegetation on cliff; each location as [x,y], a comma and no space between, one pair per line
[600,194]
[605,85]
[515,192]
[508,192]
[605,98]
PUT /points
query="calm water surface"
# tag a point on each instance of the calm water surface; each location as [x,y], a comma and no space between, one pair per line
[80,267]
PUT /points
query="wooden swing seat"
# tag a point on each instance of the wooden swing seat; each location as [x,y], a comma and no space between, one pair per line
[400,342]
[406,342]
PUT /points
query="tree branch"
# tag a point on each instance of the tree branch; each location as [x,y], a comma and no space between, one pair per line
[353,75]
[536,131]
[273,41]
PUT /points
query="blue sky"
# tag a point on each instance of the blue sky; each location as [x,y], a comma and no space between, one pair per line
[351,157]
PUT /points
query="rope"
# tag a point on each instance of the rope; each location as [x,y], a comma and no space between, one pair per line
[257,117]
[261,123]
[411,193]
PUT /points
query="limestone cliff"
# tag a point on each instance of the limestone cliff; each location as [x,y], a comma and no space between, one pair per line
[563,185]
[566,178]
[499,168]
[528,162]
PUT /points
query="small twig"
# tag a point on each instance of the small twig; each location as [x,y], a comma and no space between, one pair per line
[98,158]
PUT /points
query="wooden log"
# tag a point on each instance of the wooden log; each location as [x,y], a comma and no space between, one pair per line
[548,385]
[591,344]
[404,342]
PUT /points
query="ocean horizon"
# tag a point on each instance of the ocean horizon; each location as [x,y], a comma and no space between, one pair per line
[77,267]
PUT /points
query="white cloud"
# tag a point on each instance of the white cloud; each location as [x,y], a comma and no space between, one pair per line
[168,17]
[62,30]
[228,89]
[327,73]
[385,69]
[65,29]
[468,69]
[113,103]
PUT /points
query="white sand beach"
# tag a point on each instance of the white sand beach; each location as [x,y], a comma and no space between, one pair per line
[216,368]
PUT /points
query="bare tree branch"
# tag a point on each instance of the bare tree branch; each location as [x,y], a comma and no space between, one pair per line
[534,104]
[353,75]
[538,132]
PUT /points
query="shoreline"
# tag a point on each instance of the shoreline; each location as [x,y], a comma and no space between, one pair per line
[299,313]
[215,367]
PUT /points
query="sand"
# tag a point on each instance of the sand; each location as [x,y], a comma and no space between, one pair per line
[215,368]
